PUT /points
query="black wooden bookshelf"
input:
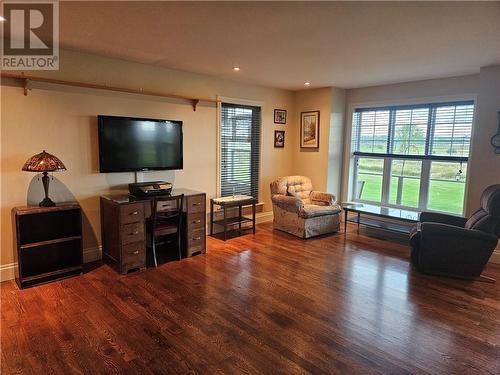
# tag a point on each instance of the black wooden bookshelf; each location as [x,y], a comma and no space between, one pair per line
[48,242]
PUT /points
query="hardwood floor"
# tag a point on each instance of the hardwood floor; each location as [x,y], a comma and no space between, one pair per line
[264,303]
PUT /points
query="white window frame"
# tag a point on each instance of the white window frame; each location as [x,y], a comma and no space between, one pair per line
[386,174]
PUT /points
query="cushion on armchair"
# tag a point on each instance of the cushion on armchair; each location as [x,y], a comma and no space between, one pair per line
[312,210]
[288,203]
[300,187]
[322,199]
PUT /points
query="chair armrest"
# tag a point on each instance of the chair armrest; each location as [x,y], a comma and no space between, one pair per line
[288,203]
[322,198]
[434,217]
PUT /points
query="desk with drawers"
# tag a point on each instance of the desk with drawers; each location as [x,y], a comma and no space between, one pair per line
[123,228]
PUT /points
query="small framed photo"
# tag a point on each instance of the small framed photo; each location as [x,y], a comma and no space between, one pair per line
[280,116]
[309,130]
[279,138]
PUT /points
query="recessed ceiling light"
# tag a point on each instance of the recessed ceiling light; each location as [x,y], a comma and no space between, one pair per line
[236,68]
[307,83]
[2,19]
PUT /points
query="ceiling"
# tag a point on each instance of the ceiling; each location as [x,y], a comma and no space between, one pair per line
[284,44]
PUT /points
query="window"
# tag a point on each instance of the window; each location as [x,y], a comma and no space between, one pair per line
[240,149]
[405,182]
[413,156]
[447,186]
[370,174]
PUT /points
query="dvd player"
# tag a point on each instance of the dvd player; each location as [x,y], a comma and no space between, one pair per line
[148,189]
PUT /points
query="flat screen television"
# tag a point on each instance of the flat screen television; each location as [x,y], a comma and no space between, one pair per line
[128,144]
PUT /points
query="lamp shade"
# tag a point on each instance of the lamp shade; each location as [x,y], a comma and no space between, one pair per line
[44,162]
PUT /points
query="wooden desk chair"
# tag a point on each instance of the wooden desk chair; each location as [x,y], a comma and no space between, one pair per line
[166,220]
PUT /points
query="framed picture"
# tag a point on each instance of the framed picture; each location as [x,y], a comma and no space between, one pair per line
[309,130]
[280,116]
[279,138]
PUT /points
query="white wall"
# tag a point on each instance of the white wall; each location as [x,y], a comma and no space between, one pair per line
[336,142]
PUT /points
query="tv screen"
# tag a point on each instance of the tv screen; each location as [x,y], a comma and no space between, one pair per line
[135,144]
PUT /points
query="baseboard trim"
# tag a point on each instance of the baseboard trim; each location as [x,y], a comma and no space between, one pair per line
[264,217]
[92,254]
[8,271]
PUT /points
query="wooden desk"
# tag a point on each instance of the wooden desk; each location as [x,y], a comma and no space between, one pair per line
[230,202]
[123,228]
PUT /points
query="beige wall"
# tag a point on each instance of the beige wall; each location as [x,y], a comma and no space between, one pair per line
[324,165]
[62,120]
[313,163]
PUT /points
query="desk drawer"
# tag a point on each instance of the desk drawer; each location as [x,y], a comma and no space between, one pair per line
[195,221]
[134,255]
[196,237]
[131,233]
[132,213]
[195,204]
[195,250]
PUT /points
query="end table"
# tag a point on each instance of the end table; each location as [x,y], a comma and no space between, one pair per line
[230,202]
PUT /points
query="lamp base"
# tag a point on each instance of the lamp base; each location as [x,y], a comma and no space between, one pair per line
[47,202]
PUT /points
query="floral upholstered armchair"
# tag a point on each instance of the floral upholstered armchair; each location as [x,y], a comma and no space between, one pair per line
[301,211]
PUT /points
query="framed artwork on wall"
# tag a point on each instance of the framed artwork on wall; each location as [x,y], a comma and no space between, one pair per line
[279,138]
[280,116]
[309,130]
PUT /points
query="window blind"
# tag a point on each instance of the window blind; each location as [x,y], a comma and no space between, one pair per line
[410,131]
[371,131]
[240,149]
[452,130]
[437,131]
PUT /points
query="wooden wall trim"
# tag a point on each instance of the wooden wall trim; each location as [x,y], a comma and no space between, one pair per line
[27,78]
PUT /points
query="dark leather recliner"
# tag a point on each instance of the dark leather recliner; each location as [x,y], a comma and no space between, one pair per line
[456,246]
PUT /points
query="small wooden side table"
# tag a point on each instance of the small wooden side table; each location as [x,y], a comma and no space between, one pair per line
[230,202]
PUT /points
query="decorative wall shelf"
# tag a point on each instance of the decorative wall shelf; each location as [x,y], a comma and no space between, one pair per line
[27,78]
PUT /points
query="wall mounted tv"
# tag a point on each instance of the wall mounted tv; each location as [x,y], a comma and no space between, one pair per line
[128,144]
